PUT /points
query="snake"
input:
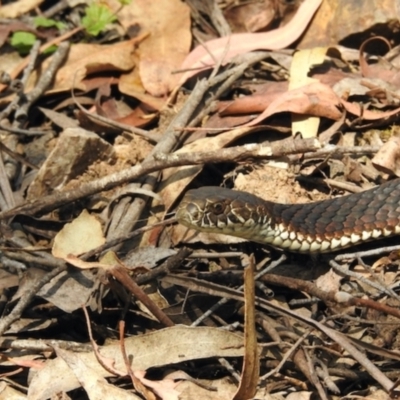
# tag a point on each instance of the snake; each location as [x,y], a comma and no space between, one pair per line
[316,227]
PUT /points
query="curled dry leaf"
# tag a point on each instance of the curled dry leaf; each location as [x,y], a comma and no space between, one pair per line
[84,59]
[81,235]
[389,75]
[224,49]
[173,345]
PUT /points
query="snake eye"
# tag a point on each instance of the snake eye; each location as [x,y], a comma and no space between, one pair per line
[218,208]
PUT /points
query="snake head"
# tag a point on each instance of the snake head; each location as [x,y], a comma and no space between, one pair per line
[219,210]
[201,209]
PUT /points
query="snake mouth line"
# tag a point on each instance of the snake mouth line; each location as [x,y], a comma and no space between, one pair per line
[318,227]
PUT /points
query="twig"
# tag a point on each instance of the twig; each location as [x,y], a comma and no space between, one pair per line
[27,297]
[226,79]
[286,356]
[151,137]
[44,82]
[131,212]
[337,267]
[123,277]
[337,152]
[328,297]
[367,253]
[22,65]
[315,380]
[109,368]
[19,131]
[339,338]
[113,242]
[240,153]
[30,65]
[166,267]
[15,155]
[5,186]
[224,300]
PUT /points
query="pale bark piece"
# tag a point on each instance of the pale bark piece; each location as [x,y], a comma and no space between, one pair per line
[17,8]
[388,157]
[93,383]
[163,347]
[147,257]
[75,151]
[74,288]
[168,42]
[302,62]
[9,393]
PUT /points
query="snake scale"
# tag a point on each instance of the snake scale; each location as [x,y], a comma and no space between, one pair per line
[322,226]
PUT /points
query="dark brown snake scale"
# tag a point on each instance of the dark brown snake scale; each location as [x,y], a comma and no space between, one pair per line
[322,226]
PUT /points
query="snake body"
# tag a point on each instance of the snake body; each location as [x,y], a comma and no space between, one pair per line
[322,226]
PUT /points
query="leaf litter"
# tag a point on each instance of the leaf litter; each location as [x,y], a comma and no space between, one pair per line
[110,111]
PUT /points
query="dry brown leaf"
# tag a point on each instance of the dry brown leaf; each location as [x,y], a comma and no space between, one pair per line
[251,16]
[131,85]
[222,389]
[8,392]
[163,51]
[369,115]
[314,99]
[262,96]
[84,59]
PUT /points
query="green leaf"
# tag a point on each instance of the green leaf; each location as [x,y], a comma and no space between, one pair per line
[23,41]
[96,18]
[125,2]
[48,23]
[50,50]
